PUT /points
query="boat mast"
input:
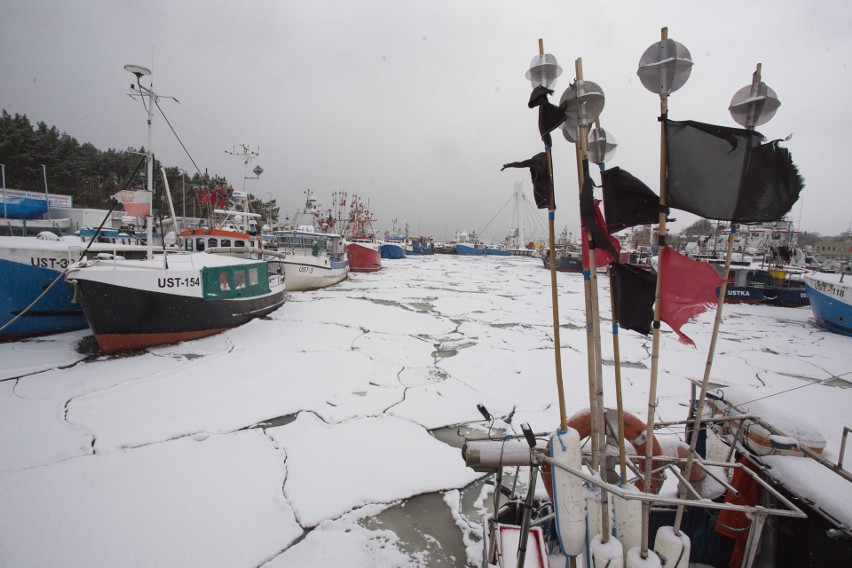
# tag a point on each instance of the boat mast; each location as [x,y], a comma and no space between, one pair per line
[142,92]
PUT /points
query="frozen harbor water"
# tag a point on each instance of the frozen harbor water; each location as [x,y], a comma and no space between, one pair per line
[308,437]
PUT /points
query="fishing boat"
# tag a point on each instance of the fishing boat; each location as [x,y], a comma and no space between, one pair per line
[35,298]
[566,260]
[396,243]
[362,248]
[757,283]
[310,254]
[831,300]
[421,246]
[312,260]
[26,213]
[170,296]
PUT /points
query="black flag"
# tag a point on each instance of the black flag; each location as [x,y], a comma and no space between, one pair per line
[729,174]
[633,290]
[542,182]
[550,116]
[627,201]
[600,238]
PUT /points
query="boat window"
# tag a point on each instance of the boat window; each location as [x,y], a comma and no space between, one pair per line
[224,284]
[239,243]
[253,277]
[239,279]
[211,243]
[225,243]
[187,244]
[199,244]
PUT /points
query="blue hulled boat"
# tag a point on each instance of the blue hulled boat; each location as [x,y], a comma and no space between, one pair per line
[392,249]
[24,207]
[30,266]
[831,301]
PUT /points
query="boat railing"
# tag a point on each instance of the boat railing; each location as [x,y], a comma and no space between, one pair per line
[245,250]
[534,456]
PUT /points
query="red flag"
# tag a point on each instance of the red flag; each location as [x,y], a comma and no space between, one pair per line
[688,288]
[603,257]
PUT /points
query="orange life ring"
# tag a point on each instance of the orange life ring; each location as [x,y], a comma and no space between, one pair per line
[635,432]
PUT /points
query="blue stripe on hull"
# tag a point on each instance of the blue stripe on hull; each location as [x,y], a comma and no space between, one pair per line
[20,284]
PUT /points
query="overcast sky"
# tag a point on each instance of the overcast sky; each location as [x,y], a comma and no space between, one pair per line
[416,104]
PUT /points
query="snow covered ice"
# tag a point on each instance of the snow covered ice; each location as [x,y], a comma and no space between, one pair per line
[276,443]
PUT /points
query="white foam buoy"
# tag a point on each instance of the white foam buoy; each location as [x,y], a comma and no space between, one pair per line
[606,554]
[593,507]
[628,518]
[568,494]
[672,548]
[635,560]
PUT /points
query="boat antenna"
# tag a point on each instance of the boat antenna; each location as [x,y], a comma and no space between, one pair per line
[142,92]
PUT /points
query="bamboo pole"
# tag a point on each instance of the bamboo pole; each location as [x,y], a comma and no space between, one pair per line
[655,350]
[705,383]
[551,216]
[616,357]
[593,317]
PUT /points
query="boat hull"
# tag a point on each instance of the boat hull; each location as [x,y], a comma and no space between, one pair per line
[30,266]
[564,263]
[145,318]
[364,257]
[831,301]
[303,275]
[467,250]
[55,312]
[392,251]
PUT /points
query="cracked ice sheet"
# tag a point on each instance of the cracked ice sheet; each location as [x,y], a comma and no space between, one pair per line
[335,468]
[34,355]
[35,432]
[349,545]
[211,501]
[222,394]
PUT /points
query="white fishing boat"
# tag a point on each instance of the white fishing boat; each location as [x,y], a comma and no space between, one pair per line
[312,260]
[170,296]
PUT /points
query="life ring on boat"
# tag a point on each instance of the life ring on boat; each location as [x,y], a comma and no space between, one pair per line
[635,432]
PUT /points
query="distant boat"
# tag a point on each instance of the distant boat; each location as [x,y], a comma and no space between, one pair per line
[755,283]
[364,254]
[362,248]
[421,245]
[470,249]
[831,301]
[566,260]
[25,212]
[312,260]
[392,249]
[24,207]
